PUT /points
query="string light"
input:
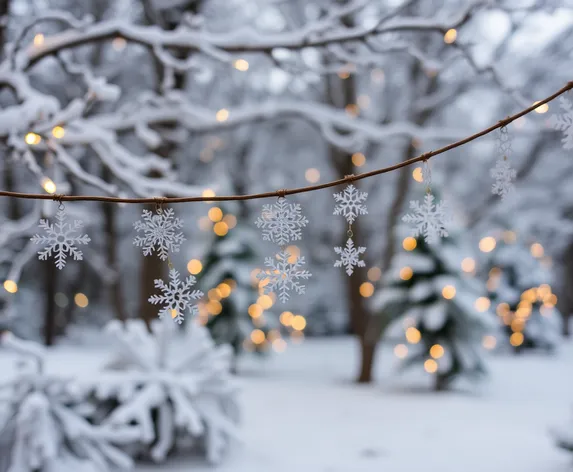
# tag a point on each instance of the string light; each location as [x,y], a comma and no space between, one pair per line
[541,108]
[413,336]
[221,228]
[516,339]
[215,214]
[194,266]
[417,175]
[450,36]
[294,252]
[257,336]
[431,366]
[255,310]
[265,302]
[286,318]
[409,243]
[437,351]
[222,115]
[224,289]
[312,175]
[118,43]
[468,265]
[366,289]
[81,300]
[49,185]
[230,220]
[214,294]
[449,292]
[401,351]
[242,65]
[208,193]
[358,159]
[537,250]
[279,345]
[58,132]
[489,342]
[487,244]
[352,110]
[374,274]
[406,273]
[214,307]
[482,304]
[10,286]
[38,39]
[32,139]
[298,322]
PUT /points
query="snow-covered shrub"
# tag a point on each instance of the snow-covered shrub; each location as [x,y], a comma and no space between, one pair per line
[174,387]
[40,430]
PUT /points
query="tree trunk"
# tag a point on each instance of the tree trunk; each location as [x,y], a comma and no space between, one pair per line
[50,284]
[565,299]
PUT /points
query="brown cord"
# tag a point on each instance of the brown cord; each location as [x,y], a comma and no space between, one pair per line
[284,192]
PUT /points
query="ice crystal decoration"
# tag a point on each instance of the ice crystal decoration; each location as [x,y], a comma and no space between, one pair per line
[176,296]
[349,256]
[61,238]
[430,220]
[564,122]
[159,233]
[350,203]
[504,175]
[284,276]
[281,222]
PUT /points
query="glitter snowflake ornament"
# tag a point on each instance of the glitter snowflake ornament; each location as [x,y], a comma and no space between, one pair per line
[349,256]
[504,176]
[283,276]
[61,239]
[281,222]
[350,203]
[429,219]
[159,233]
[564,122]
[176,296]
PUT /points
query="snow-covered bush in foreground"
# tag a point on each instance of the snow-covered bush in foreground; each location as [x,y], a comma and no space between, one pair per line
[175,399]
[41,432]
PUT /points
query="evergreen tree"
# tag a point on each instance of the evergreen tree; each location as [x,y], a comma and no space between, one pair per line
[520,290]
[436,310]
[235,309]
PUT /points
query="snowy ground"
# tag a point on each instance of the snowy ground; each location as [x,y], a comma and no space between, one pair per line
[302,414]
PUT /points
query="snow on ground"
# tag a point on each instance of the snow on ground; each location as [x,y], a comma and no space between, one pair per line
[302,414]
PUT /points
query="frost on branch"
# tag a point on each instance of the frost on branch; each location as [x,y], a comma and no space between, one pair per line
[429,220]
[159,233]
[564,122]
[349,256]
[60,239]
[175,388]
[176,296]
[350,203]
[283,276]
[504,176]
[281,222]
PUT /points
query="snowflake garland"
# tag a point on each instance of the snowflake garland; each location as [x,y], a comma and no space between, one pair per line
[430,220]
[176,296]
[503,174]
[283,276]
[159,232]
[350,203]
[349,256]
[564,122]
[281,222]
[61,238]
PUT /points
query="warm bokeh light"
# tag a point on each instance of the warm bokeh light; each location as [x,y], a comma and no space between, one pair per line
[406,273]
[468,265]
[257,336]
[517,325]
[516,339]
[374,274]
[449,292]
[222,115]
[418,175]
[58,132]
[358,159]
[366,289]
[489,342]
[194,266]
[221,228]
[409,243]
[215,214]
[265,301]
[208,193]
[537,250]
[81,300]
[502,309]
[255,310]
[401,351]
[541,108]
[294,253]
[343,74]
[487,244]
[204,223]
[10,286]
[450,36]
[39,39]
[352,110]
[312,175]
[279,345]
[509,237]
[437,351]
[49,185]
[230,220]
[286,318]
[242,65]
[413,336]
[482,304]
[224,289]
[431,366]
[32,139]
[214,294]
[118,43]
[214,307]
[298,322]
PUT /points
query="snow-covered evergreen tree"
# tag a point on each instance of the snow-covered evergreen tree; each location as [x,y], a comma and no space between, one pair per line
[523,299]
[433,309]
[176,398]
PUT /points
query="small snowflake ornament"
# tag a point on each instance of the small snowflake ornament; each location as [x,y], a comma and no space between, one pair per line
[61,239]
[349,256]
[504,176]
[159,233]
[564,122]
[350,203]
[281,222]
[284,276]
[430,220]
[176,296]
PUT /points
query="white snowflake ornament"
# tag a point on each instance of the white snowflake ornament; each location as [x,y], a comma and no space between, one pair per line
[159,233]
[350,203]
[284,276]
[176,297]
[61,239]
[349,256]
[504,176]
[564,122]
[430,220]
[281,222]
